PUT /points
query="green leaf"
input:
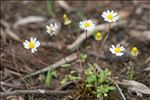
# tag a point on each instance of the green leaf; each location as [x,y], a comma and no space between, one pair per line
[49,77]
[103,76]
[50,7]
[83,57]
[105,88]
[71,77]
[54,73]
[89,85]
[111,87]
[90,65]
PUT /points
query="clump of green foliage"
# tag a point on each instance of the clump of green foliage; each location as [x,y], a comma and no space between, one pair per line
[98,83]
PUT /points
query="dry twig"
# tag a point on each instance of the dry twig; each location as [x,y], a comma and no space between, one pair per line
[29,19]
[135,86]
[9,85]
[141,36]
[55,45]
[39,91]
[55,65]
[3,35]
[64,5]
[120,91]
[8,31]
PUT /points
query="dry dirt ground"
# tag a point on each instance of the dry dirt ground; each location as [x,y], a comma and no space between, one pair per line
[16,62]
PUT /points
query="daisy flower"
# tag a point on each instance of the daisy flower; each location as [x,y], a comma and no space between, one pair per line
[117,50]
[87,25]
[98,36]
[134,51]
[110,16]
[52,29]
[32,44]
[67,21]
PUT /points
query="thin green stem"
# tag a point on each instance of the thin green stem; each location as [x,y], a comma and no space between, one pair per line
[86,34]
[62,48]
[131,70]
[97,50]
[86,38]
[78,51]
[102,44]
[63,54]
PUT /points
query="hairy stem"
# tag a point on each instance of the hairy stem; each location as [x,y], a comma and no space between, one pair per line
[131,70]
[62,47]
[78,51]
[102,43]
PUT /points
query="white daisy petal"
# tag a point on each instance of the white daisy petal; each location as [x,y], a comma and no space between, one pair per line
[34,39]
[87,25]
[112,51]
[35,49]
[113,46]
[120,54]
[118,50]
[37,43]
[51,25]
[32,50]
[106,19]
[114,14]
[105,14]
[26,41]
[26,46]
[116,54]
[116,18]
[31,39]
[52,28]
[108,11]
[110,16]
[122,48]
[47,27]
[33,44]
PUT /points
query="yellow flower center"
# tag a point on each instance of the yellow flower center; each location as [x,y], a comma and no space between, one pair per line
[65,17]
[117,50]
[98,36]
[134,49]
[87,24]
[110,16]
[31,45]
[66,20]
